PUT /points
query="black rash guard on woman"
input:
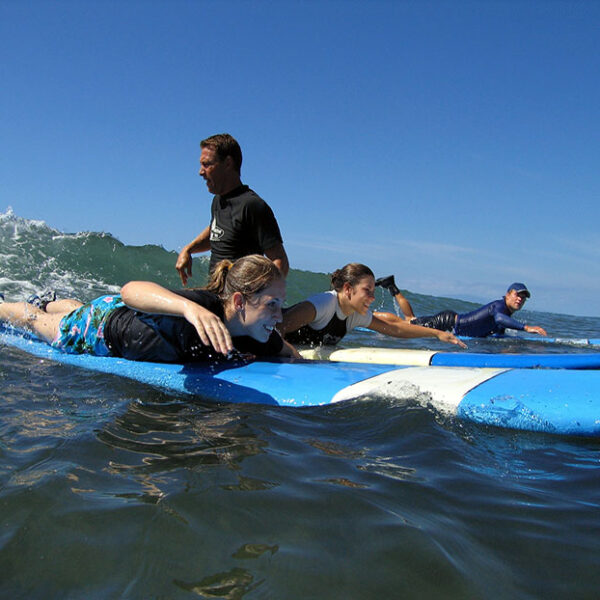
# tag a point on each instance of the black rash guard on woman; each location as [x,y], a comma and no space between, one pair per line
[150,337]
[330,335]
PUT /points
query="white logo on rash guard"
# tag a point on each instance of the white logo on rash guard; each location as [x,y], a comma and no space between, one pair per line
[216,233]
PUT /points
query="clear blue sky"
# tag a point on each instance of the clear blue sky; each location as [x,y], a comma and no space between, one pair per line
[454,144]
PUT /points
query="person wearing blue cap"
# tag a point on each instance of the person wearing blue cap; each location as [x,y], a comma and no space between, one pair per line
[491,319]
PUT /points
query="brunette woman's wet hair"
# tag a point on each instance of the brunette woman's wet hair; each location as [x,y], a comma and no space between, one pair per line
[248,275]
[352,273]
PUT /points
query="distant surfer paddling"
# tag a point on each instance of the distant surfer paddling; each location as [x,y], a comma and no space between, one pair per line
[237,311]
[491,319]
[241,223]
[327,317]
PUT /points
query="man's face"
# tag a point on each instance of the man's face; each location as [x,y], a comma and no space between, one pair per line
[216,173]
[515,301]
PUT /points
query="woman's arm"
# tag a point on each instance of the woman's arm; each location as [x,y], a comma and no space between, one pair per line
[278,255]
[289,350]
[390,324]
[297,316]
[150,297]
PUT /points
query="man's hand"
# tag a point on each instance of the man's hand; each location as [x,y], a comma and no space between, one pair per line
[535,329]
[184,265]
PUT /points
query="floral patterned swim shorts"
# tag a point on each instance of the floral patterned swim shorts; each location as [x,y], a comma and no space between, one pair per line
[82,331]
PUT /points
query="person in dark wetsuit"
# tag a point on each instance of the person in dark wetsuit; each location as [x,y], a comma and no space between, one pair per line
[325,318]
[242,223]
[491,319]
[237,311]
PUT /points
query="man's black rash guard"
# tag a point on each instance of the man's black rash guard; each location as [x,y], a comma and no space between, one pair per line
[242,223]
[136,335]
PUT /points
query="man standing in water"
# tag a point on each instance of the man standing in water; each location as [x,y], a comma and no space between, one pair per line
[242,223]
[492,318]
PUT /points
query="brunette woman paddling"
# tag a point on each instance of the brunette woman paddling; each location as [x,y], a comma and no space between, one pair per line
[325,318]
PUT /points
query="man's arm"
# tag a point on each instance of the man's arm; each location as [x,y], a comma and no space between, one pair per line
[260,219]
[278,255]
[510,323]
[184,261]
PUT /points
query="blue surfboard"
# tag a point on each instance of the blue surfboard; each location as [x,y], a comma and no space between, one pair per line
[284,382]
[556,401]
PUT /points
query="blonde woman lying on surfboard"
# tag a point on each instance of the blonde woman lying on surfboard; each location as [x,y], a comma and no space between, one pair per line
[325,318]
[238,310]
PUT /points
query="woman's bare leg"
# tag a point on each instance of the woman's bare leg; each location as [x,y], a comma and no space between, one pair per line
[26,316]
[405,306]
[63,306]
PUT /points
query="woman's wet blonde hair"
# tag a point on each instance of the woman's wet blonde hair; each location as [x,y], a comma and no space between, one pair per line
[248,275]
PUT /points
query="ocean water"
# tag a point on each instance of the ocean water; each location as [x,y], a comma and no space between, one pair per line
[113,489]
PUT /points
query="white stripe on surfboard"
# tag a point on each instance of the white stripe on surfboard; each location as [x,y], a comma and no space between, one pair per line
[379,356]
[444,387]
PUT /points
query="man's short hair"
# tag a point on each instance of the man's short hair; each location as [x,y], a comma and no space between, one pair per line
[225,145]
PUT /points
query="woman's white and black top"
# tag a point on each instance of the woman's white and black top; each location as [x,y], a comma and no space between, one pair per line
[330,324]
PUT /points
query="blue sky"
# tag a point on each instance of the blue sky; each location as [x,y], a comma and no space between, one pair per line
[454,144]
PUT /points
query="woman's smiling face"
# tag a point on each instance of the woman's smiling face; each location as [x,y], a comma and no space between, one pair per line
[262,311]
[362,294]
